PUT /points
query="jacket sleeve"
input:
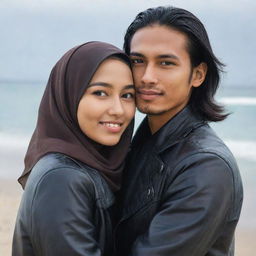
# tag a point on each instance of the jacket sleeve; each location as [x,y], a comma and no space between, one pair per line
[62,215]
[195,205]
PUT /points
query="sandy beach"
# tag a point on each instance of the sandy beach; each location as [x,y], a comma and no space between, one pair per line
[11,159]
[10,195]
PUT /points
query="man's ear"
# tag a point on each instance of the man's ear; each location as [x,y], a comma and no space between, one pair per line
[199,74]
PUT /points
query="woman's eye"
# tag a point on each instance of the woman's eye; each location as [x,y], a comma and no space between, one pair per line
[128,95]
[136,61]
[99,93]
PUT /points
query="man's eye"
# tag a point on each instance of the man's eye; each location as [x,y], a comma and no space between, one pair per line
[128,95]
[166,63]
[99,93]
[136,61]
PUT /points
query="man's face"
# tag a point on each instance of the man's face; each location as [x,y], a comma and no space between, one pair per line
[162,71]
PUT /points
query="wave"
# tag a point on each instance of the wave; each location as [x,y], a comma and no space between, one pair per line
[243,149]
[240,148]
[245,101]
[13,142]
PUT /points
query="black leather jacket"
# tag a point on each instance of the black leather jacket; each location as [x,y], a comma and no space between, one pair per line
[65,210]
[182,192]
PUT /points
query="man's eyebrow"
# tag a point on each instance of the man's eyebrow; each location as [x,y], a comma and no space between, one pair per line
[164,56]
[161,56]
[136,54]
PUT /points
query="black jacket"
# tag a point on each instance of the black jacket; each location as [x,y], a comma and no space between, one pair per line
[65,210]
[182,192]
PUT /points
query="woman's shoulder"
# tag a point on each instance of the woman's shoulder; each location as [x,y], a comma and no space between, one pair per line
[59,170]
[52,161]
[59,167]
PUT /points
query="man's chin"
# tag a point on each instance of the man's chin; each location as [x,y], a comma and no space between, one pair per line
[149,111]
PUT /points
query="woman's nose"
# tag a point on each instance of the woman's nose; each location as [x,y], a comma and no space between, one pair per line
[116,107]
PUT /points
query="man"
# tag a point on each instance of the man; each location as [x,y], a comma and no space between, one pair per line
[182,191]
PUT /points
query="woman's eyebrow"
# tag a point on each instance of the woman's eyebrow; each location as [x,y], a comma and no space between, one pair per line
[129,86]
[100,84]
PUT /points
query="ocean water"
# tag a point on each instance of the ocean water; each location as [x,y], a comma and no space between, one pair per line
[19,103]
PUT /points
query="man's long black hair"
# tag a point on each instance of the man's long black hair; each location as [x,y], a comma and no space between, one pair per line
[199,48]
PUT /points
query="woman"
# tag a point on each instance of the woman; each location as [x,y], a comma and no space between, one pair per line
[75,158]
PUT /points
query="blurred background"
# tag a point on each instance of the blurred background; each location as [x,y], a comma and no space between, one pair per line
[35,34]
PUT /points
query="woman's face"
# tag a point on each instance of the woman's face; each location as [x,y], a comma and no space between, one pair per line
[108,104]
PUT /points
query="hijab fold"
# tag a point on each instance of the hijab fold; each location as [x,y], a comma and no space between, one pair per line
[57,128]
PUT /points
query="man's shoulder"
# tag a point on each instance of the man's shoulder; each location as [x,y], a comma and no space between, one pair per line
[205,140]
[198,145]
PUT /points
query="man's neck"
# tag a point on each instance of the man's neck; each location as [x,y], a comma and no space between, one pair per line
[156,122]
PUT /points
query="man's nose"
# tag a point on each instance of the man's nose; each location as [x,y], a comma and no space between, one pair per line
[149,76]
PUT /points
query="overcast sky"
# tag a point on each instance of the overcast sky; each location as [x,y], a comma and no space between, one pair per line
[35,34]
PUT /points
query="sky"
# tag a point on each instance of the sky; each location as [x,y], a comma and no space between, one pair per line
[35,34]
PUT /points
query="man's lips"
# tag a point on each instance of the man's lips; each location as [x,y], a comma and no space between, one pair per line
[148,94]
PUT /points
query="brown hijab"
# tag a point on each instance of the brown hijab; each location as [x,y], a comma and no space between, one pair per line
[57,128]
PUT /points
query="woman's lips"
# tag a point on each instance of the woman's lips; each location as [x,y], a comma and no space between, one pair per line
[114,127]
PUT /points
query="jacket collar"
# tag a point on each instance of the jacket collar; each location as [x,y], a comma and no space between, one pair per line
[180,126]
